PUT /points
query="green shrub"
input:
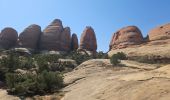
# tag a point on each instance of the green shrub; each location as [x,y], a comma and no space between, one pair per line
[101,55]
[31,84]
[26,62]
[48,57]
[78,57]
[150,59]
[115,58]
[121,56]
[11,62]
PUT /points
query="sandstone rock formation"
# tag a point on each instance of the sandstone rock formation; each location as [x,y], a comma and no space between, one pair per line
[65,40]
[159,33]
[29,38]
[126,36]
[74,42]
[8,38]
[55,37]
[88,40]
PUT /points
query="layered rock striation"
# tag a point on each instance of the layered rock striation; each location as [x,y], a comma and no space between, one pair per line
[127,36]
[88,40]
[30,37]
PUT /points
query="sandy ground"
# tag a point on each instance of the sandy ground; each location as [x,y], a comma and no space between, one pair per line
[95,80]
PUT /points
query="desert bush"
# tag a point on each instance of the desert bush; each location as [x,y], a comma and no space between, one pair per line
[78,57]
[121,56]
[151,59]
[115,58]
[42,81]
[101,55]
[10,62]
[48,57]
[26,62]
[31,84]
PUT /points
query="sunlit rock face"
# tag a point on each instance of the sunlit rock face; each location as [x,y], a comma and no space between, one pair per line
[55,37]
[88,40]
[30,37]
[127,36]
[8,38]
[160,33]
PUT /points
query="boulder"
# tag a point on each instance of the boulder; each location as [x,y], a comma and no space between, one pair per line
[160,33]
[29,38]
[88,40]
[55,37]
[74,42]
[8,38]
[126,36]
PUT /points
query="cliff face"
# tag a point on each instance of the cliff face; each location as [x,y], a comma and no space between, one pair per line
[8,38]
[55,37]
[88,40]
[30,37]
[74,42]
[125,37]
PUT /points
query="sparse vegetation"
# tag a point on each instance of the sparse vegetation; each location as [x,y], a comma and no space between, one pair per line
[101,55]
[39,73]
[115,58]
[37,78]
[150,59]
[78,57]
[31,84]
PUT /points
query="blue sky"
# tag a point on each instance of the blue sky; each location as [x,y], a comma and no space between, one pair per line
[105,16]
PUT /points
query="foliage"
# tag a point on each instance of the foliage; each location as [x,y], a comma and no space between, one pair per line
[11,62]
[79,57]
[101,55]
[115,58]
[121,56]
[42,81]
[31,84]
[151,59]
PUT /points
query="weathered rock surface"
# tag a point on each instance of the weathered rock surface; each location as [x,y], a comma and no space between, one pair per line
[160,33]
[126,36]
[88,40]
[55,37]
[94,80]
[74,42]
[8,38]
[30,37]
[65,39]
